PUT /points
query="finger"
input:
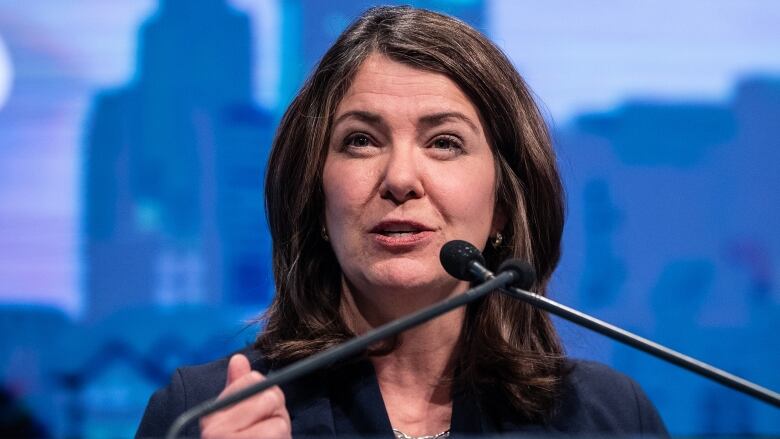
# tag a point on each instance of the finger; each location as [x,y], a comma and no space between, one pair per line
[272,428]
[237,384]
[238,366]
[255,409]
[278,425]
[251,378]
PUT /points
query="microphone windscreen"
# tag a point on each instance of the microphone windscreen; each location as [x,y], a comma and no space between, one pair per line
[526,275]
[456,256]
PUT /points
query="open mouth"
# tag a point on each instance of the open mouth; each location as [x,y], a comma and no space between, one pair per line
[392,232]
[398,228]
[400,232]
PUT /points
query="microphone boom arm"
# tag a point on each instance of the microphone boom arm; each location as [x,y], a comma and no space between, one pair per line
[645,345]
[343,351]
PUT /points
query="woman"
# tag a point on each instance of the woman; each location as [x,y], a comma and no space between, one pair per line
[414,130]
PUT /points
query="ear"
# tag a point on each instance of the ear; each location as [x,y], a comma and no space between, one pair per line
[499,220]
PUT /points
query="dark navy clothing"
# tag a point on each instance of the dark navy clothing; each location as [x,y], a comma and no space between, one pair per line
[595,401]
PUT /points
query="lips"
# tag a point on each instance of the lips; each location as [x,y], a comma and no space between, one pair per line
[400,234]
[399,228]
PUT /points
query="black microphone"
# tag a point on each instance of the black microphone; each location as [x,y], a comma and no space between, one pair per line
[463,261]
[456,255]
[526,277]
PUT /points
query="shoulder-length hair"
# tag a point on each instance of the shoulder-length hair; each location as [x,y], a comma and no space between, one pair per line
[507,348]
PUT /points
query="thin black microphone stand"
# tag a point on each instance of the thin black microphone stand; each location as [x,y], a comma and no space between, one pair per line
[343,351]
[643,344]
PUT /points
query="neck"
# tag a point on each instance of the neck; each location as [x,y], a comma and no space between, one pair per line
[433,341]
[367,307]
[416,377]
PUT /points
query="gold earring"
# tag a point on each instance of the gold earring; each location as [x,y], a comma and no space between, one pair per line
[324,234]
[497,240]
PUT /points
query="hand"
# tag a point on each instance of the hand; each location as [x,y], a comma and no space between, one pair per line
[261,416]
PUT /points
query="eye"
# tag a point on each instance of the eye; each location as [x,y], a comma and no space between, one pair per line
[447,142]
[358,140]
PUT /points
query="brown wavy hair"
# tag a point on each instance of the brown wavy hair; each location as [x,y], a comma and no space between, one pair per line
[509,353]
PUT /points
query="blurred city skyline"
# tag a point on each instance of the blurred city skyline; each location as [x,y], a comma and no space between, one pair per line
[577,57]
[133,140]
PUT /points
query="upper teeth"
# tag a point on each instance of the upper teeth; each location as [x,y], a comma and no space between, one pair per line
[399,229]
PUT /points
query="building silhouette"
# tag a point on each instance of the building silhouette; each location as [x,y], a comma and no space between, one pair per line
[668,219]
[173,167]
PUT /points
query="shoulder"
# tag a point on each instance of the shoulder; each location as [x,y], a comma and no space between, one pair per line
[597,399]
[189,386]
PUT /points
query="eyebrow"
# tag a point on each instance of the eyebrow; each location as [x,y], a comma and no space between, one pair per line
[439,118]
[428,120]
[365,116]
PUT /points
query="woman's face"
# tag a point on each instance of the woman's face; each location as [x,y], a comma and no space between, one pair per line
[408,169]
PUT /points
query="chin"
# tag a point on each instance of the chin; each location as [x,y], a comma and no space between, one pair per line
[403,283]
[409,275]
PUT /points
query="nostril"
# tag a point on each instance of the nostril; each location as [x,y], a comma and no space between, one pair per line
[401,184]
[399,197]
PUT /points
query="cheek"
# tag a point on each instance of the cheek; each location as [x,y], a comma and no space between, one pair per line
[468,198]
[347,188]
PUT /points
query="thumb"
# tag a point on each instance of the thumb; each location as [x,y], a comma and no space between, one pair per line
[237,367]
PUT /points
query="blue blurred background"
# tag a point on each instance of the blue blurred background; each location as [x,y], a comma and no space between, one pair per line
[133,140]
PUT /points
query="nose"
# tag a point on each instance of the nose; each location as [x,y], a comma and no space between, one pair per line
[402,180]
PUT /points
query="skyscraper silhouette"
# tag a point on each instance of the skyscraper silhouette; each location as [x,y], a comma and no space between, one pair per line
[173,168]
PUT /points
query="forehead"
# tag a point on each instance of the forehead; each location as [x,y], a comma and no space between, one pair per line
[382,84]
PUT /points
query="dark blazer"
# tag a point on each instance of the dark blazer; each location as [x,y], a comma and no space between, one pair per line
[596,400]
